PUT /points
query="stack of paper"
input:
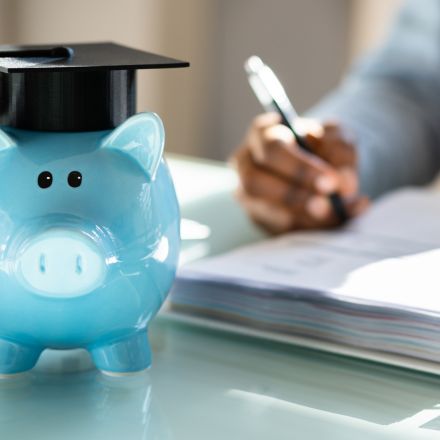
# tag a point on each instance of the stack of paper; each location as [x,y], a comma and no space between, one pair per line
[374,284]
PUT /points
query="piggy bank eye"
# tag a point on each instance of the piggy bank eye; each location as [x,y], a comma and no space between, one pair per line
[74,179]
[45,179]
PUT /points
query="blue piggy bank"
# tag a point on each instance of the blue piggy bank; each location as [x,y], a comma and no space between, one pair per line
[89,243]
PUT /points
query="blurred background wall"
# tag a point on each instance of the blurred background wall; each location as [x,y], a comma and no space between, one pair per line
[309,43]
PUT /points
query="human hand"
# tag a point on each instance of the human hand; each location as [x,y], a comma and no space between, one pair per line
[283,187]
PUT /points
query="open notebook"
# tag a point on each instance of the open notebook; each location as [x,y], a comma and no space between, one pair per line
[371,289]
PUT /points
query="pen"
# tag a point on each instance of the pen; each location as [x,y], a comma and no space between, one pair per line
[272,96]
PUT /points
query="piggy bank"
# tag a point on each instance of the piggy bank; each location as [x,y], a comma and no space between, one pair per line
[89,242]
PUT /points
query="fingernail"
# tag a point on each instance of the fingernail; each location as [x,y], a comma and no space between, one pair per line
[318,207]
[325,184]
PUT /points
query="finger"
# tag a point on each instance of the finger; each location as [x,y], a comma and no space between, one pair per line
[260,183]
[259,123]
[329,142]
[302,209]
[319,211]
[265,120]
[332,145]
[256,182]
[275,219]
[316,213]
[275,149]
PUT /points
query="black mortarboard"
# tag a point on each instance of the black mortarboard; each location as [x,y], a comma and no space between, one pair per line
[74,87]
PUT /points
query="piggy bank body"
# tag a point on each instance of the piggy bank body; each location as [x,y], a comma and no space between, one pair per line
[89,241]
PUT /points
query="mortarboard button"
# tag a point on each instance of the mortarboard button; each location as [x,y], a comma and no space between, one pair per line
[75,87]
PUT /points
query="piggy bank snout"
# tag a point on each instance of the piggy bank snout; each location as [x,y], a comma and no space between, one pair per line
[61,263]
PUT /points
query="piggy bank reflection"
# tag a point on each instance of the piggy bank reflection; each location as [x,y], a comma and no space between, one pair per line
[89,242]
[85,405]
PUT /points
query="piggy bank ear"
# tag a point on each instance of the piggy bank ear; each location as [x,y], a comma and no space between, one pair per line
[142,137]
[5,141]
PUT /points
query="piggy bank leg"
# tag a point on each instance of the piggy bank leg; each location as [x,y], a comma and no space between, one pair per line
[17,358]
[129,355]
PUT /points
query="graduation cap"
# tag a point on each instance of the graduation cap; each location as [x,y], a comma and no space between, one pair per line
[76,87]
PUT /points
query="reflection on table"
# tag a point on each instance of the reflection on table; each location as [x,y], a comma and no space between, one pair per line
[213,385]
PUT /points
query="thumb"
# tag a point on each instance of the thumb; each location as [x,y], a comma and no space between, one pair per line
[333,145]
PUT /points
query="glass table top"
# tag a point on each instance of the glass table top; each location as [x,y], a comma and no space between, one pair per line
[209,384]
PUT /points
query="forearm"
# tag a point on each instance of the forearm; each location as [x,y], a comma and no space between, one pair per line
[391,103]
[394,129]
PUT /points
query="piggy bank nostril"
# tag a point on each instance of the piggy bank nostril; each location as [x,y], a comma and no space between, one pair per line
[61,263]
[42,263]
[78,268]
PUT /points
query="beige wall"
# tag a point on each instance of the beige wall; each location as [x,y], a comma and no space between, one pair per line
[131,22]
[188,32]
[178,29]
[207,107]
[7,21]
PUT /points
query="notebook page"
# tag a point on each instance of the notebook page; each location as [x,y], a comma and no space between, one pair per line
[389,256]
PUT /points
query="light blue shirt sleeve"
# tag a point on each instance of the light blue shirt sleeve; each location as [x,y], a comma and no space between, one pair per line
[391,103]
